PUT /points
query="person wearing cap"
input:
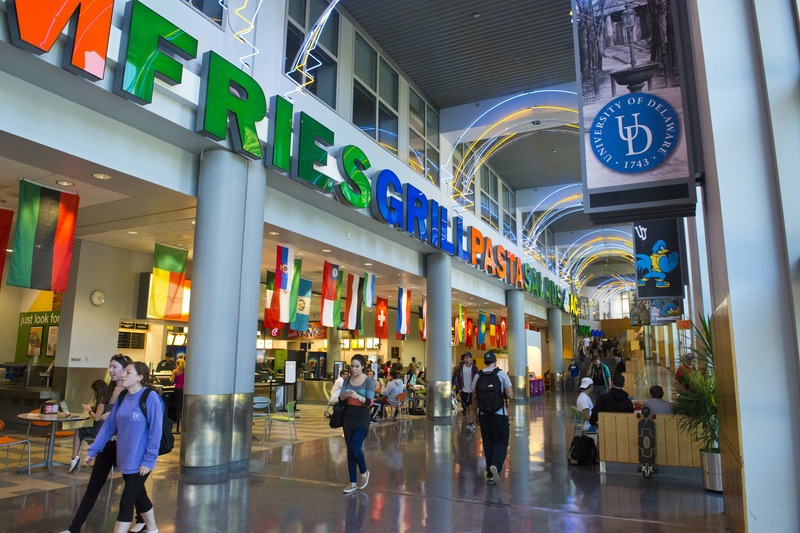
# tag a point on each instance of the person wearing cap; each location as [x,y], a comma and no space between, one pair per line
[584,402]
[494,426]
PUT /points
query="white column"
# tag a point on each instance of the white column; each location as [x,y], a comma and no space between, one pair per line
[517,345]
[440,351]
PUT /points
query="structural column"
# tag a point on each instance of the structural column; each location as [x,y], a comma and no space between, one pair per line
[556,354]
[214,314]
[517,345]
[334,347]
[439,344]
[249,308]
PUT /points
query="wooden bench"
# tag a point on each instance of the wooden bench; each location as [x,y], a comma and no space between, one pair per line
[619,440]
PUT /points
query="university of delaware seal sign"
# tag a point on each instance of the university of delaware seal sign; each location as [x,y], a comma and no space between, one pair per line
[634,133]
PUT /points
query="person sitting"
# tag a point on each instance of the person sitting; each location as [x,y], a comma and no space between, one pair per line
[615,401]
[584,403]
[388,397]
[417,392]
[167,365]
[657,404]
[378,385]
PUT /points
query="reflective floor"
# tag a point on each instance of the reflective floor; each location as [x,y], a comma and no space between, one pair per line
[425,477]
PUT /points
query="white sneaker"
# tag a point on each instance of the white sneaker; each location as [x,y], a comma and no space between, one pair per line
[365,479]
[73,463]
[350,488]
[495,475]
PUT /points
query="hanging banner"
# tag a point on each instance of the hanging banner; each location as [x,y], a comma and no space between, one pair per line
[636,147]
[660,260]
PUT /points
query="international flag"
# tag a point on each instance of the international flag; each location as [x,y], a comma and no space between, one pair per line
[468,339]
[502,331]
[355,295]
[423,318]
[455,331]
[369,289]
[43,238]
[492,330]
[403,310]
[272,319]
[281,297]
[382,319]
[481,328]
[330,295]
[337,304]
[168,283]
[298,268]
[6,216]
[400,336]
[462,323]
[303,308]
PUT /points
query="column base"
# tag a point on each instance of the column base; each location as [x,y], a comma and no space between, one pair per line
[439,405]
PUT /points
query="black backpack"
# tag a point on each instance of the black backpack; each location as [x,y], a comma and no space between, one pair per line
[489,393]
[167,438]
[582,451]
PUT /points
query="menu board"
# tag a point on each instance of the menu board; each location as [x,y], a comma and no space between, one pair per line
[130,340]
[290,371]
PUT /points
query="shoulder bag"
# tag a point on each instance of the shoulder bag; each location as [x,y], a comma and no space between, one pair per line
[337,418]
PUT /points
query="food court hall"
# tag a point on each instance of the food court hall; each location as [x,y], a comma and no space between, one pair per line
[442,153]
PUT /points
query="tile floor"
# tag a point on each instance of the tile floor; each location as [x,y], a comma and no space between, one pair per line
[425,477]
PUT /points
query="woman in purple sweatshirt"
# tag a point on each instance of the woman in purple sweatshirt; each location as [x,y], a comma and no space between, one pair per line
[138,439]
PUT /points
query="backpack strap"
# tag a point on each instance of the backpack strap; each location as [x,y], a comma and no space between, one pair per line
[502,389]
[143,401]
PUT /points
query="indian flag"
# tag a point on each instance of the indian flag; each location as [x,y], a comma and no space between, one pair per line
[169,280]
[43,238]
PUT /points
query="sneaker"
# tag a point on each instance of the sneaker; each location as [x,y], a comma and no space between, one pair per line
[489,478]
[494,474]
[350,488]
[365,479]
[73,463]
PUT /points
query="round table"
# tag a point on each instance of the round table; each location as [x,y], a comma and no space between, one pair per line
[54,420]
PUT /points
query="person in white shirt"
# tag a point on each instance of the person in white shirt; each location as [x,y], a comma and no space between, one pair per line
[492,387]
[584,403]
[337,386]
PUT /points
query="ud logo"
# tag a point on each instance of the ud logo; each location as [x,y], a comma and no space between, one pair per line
[634,133]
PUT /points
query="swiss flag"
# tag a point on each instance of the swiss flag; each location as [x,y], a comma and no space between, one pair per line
[382,319]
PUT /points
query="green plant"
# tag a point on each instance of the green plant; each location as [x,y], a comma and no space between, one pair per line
[697,397]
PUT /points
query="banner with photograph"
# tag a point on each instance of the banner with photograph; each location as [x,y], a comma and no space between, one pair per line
[640,313]
[636,146]
[660,259]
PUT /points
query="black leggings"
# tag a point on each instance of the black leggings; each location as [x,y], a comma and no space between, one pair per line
[102,467]
[134,493]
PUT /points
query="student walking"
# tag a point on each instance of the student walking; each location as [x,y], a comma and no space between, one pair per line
[492,387]
[358,392]
[138,439]
[107,458]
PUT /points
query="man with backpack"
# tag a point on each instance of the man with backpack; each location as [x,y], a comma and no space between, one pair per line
[492,387]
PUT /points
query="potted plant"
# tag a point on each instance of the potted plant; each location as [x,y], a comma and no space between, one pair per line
[697,402]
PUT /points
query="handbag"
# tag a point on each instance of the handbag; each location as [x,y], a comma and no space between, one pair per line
[338,415]
[337,418]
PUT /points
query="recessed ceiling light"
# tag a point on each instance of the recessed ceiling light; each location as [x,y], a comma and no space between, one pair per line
[194,222]
[299,253]
[132,232]
[367,264]
[101,176]
[65,183]
[476,15]
[326,250]
[273,233]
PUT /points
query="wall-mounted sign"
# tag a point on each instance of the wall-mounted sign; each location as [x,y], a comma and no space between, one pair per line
[153,46]
[637,156]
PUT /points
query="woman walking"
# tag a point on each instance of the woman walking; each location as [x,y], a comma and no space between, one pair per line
[138,438]
[358,391]
[107,458]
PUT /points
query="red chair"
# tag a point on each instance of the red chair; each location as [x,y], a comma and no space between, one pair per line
[10,441]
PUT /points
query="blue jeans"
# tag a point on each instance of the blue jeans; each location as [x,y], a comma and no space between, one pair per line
[354,439]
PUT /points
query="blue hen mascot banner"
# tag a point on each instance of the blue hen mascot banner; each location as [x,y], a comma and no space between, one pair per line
[660,259]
